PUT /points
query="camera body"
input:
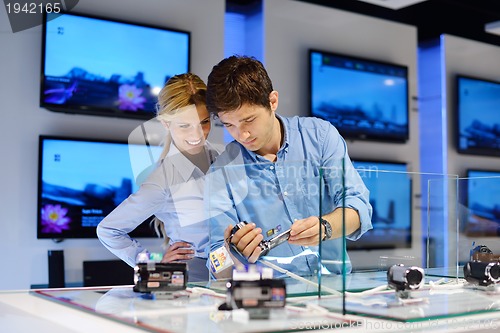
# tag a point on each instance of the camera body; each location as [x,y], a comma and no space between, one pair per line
[265,293]
[265,245]
[403,278]
[156,276]
[482,273]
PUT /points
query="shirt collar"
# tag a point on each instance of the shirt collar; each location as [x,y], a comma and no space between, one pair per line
[284,147]
[180,162]
[285,144]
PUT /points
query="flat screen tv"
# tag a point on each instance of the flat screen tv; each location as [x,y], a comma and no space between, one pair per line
[80,181]
[483,203]
[390,196]
[364,99]
[478,115]
[104,67]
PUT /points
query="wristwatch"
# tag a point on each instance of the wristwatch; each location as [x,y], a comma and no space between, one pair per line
[328,228]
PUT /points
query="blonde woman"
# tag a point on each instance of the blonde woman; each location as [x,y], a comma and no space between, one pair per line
[173,192]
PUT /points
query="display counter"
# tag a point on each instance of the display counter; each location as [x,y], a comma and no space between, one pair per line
[100,309]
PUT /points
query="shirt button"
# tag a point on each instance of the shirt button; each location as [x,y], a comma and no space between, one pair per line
[271,167]
[285,193]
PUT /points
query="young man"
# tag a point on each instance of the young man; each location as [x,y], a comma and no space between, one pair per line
[270,175]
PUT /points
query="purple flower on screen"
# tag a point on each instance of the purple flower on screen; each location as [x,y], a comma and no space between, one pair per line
[129,98]
[54,219]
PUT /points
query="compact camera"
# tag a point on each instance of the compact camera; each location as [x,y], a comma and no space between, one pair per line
[265,245]
[401,277]
[482,273]
[265,293]
[155,276]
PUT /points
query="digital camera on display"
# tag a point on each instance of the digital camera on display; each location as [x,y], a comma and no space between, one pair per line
[156,276]
[266,293]
[401,277]
[483,253]
[265,245]
[482,273]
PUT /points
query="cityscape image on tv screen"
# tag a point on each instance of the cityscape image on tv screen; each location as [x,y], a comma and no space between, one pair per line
[390,196]
[483,203]
[82,181]
[364,99]
[103,67]
[478,116]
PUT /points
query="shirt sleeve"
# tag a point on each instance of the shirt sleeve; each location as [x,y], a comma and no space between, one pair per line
[113,230]
[338,165]
[219,206]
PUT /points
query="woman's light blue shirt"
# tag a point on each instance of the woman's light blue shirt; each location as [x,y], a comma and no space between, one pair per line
[173,192]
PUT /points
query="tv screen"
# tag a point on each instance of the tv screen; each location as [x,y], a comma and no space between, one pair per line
[483,203]
[390,196]
[478,105]
[81,181]
[104,67]
[364,99]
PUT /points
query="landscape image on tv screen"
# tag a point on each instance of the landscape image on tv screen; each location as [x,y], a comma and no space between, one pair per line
[478,116]
[483,203]
[82,181]
[364,99]
[102,67]
[390,196]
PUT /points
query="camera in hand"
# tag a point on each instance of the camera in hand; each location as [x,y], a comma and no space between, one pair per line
[482,273]
[401,277]
[156,276]
[265,245]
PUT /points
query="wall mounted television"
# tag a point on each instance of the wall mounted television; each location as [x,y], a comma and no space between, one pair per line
[390,196]
[483,203]
[104,67]
[478,115]
[364,99]
[80,181]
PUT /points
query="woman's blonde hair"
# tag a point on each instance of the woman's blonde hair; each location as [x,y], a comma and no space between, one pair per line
[179,92]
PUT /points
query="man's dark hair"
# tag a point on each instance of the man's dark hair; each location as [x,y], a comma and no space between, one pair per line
[235,81]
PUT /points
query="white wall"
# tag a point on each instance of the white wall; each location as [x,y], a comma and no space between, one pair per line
[292,27]
[22,120]
[472,58]
[476,59]
[444,59]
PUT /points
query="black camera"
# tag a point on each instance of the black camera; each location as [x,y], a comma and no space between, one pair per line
[155,276]
[482,273]
[266,293]
[265,245]
[401,277]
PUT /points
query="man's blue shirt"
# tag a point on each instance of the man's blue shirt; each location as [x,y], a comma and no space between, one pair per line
[244,186]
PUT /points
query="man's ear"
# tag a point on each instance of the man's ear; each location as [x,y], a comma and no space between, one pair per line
[273,100]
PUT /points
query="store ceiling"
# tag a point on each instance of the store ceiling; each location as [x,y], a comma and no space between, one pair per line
[463,18]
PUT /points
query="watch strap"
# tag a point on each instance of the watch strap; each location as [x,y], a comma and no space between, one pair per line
[328,228]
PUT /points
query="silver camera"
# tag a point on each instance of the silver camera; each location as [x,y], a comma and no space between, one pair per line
[265,245]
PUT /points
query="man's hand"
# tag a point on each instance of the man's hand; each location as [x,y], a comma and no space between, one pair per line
[247,241]
[305,232]
[179,251]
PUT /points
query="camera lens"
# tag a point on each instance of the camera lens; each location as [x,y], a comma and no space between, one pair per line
[414,277]
[495,272]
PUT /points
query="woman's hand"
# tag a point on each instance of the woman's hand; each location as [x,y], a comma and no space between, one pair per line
[179,251]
